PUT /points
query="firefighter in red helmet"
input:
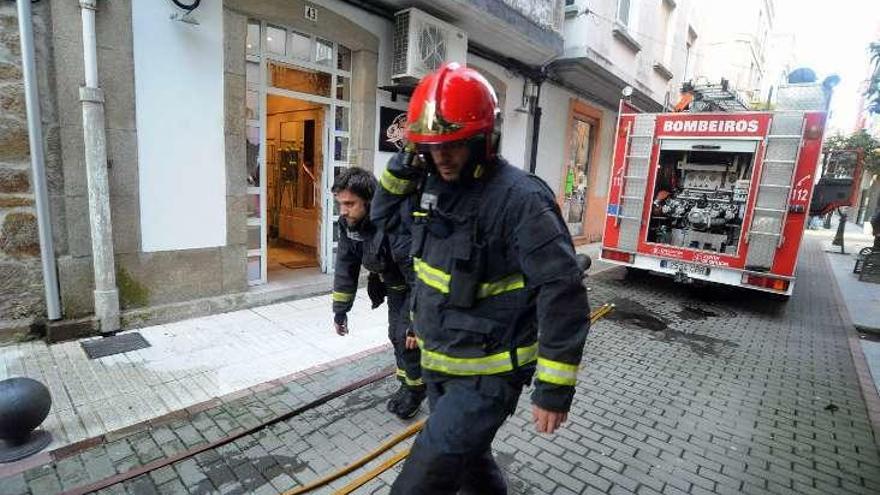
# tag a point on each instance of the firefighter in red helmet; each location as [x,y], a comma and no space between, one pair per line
[493,262]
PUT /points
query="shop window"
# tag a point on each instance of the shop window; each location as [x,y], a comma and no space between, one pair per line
[323,52]
[299,80]
[276,40]
[343,58]
[343,88]
[299,46]
[252,44]
[577,173]
[342,116]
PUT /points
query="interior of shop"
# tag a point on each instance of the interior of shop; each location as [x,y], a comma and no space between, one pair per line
[294,158]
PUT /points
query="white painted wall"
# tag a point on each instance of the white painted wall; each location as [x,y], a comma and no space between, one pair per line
[515,127]
[555,103]
[590,35]
[553,144]
[180,125]
[731,44]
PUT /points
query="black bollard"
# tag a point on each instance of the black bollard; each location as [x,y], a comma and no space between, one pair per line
[838,236]
[24,404]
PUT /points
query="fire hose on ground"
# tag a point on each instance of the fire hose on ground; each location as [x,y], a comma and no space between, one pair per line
[410,431]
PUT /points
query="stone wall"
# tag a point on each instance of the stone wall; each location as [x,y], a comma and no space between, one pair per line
[549,14]
[21,281]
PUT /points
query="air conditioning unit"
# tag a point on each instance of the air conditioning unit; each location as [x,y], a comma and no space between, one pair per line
[422,43]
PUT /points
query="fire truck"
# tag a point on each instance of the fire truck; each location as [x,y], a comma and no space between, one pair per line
[719,196]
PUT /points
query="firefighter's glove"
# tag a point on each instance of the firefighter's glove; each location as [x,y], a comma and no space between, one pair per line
[340,321]
[406,165]
[375,289]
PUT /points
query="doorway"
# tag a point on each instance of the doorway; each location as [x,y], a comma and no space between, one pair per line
[298,109]
[294,166]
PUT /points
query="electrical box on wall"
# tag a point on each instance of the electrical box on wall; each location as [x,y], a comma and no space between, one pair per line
[422,43]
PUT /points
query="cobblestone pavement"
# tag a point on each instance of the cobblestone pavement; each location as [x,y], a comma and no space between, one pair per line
[682,390]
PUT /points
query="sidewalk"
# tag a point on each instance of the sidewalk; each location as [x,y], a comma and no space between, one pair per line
[189,362]
[862,299]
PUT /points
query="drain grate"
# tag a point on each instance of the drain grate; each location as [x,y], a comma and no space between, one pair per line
[117,344]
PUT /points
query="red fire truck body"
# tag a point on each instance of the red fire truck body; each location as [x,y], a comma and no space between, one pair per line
[715,197]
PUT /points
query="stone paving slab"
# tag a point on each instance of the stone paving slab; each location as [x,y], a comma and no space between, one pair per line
[862,299]
[189,362]
[682,390]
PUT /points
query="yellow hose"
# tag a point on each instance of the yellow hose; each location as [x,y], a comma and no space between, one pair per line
[595,316]
[410,431]
[601,312]
[368,476]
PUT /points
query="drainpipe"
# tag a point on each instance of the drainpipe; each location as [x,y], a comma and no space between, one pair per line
[536,125]
[92,97]
[35,138]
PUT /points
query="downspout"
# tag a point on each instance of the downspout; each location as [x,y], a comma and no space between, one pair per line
[94,137]
[38,166]
[536,126]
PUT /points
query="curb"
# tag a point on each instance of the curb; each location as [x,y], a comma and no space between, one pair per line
[57,454]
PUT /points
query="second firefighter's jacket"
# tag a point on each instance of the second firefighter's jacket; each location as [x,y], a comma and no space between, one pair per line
[362,245]
[493,263]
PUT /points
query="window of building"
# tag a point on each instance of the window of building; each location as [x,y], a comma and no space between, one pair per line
[667,31]
[623,11]
[689,55]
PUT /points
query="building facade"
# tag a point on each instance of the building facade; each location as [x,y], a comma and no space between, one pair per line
[609,45]
[736,45]
[226,125]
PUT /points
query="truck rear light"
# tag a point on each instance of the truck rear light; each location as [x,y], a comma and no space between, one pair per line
[617,256]
[771,283]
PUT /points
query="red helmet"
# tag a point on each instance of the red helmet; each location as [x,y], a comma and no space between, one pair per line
[452,104]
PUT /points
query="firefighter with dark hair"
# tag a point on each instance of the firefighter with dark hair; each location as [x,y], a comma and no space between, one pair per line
[361,244]
[498,297]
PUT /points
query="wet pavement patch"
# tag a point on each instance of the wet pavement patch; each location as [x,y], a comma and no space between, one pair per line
[631,313]
[695,313]
[701,345]
[634,314]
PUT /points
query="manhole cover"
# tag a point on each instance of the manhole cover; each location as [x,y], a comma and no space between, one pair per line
[117,344]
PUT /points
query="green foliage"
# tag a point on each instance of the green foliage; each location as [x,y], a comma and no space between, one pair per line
[860,139]
[872,93]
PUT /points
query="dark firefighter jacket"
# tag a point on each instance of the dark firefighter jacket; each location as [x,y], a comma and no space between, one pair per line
[493,263]
[367,246]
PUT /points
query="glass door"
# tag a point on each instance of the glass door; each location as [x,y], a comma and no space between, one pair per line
[577,175]
[288,63]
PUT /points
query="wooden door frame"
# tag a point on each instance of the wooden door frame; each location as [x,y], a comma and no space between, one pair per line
[579,110]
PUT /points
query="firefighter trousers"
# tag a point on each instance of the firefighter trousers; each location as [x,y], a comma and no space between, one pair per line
[409,369]
[453,453]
